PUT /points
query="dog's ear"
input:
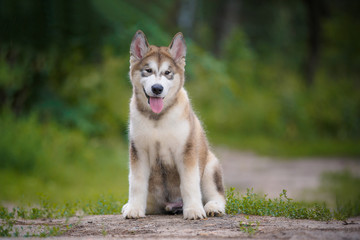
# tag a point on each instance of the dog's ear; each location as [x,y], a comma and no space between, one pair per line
[139,45]
[177,47]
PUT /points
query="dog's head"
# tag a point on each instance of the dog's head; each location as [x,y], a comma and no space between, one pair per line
[156,73]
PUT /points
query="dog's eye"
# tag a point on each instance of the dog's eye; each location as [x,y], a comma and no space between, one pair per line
[167,72]
[149,70]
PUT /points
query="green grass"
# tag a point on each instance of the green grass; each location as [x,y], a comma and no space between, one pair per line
[343,189]
[74,173]
[254,204]
[248,204]
[102,205]
[269,146]
[77,183]
[63,164]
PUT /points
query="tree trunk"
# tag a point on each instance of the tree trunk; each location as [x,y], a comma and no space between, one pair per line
[228,19]
[186,17]
[315,11]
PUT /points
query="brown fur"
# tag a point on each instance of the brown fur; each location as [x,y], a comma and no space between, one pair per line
[164,181]
[133,153]
[218,181]
[159,54]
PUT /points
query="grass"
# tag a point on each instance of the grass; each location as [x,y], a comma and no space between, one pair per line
[343,189]
[61,163]
[254,204]
[50,171]
[269,146]
[103,205]
[248,204]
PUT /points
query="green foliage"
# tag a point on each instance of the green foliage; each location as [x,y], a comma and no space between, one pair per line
[8,229]
[100,205]
[5,230]
[77,75]
[265,145]
[343,187]
[103,206]
[97,98]
[249,204]
[7,222]
[18,152]
[253,204]
[247,102]
[58,162]
[64,94]
[253,93]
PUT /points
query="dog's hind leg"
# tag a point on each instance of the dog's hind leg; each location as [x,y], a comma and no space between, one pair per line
[213,188]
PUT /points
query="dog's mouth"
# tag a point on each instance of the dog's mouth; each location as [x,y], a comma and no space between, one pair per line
[156,103]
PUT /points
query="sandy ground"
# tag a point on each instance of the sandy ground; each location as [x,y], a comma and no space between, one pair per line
[175,227]
[300,177]
[241,170]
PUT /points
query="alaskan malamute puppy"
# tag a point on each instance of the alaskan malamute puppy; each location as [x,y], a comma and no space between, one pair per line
[171,166]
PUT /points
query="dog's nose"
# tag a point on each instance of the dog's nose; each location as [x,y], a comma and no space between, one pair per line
[157,89]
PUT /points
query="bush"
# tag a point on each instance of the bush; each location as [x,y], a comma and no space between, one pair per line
[59,162]
[19,143]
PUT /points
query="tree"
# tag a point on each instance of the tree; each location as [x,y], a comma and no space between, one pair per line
[316,10]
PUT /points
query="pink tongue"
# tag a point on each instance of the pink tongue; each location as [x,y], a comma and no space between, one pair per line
[156,104]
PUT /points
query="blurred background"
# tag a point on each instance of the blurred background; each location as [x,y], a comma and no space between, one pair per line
[277,78]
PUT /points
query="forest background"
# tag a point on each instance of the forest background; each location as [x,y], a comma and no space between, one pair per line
[274,77]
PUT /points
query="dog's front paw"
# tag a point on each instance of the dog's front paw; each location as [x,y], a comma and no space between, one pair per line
[214,209]
[129,211]
[194,213]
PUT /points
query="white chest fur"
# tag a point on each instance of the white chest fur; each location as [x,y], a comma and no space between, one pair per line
[164,138]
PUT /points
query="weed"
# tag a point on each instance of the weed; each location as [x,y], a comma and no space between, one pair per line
[103,231]
[254,204]
[5,230]
[343,187]
[249,204]
[248,226]
[16,233]
[104,205]
[7,222]
[52,231]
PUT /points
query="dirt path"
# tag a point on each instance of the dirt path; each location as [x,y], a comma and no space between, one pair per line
[300,177]
[175,227]
[241,170]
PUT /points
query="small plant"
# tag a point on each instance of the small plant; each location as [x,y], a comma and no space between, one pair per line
[248,226]
[103,231]
[248,204]
[47,210]
[5,230]
[254,204]
[7,222]
[103,206]
[51,232]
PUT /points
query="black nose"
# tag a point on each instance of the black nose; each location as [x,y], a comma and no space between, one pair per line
[157,89]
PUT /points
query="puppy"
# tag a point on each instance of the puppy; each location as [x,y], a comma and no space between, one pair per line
[171,166]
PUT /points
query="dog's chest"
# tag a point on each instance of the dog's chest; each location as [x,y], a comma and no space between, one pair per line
[162,139]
